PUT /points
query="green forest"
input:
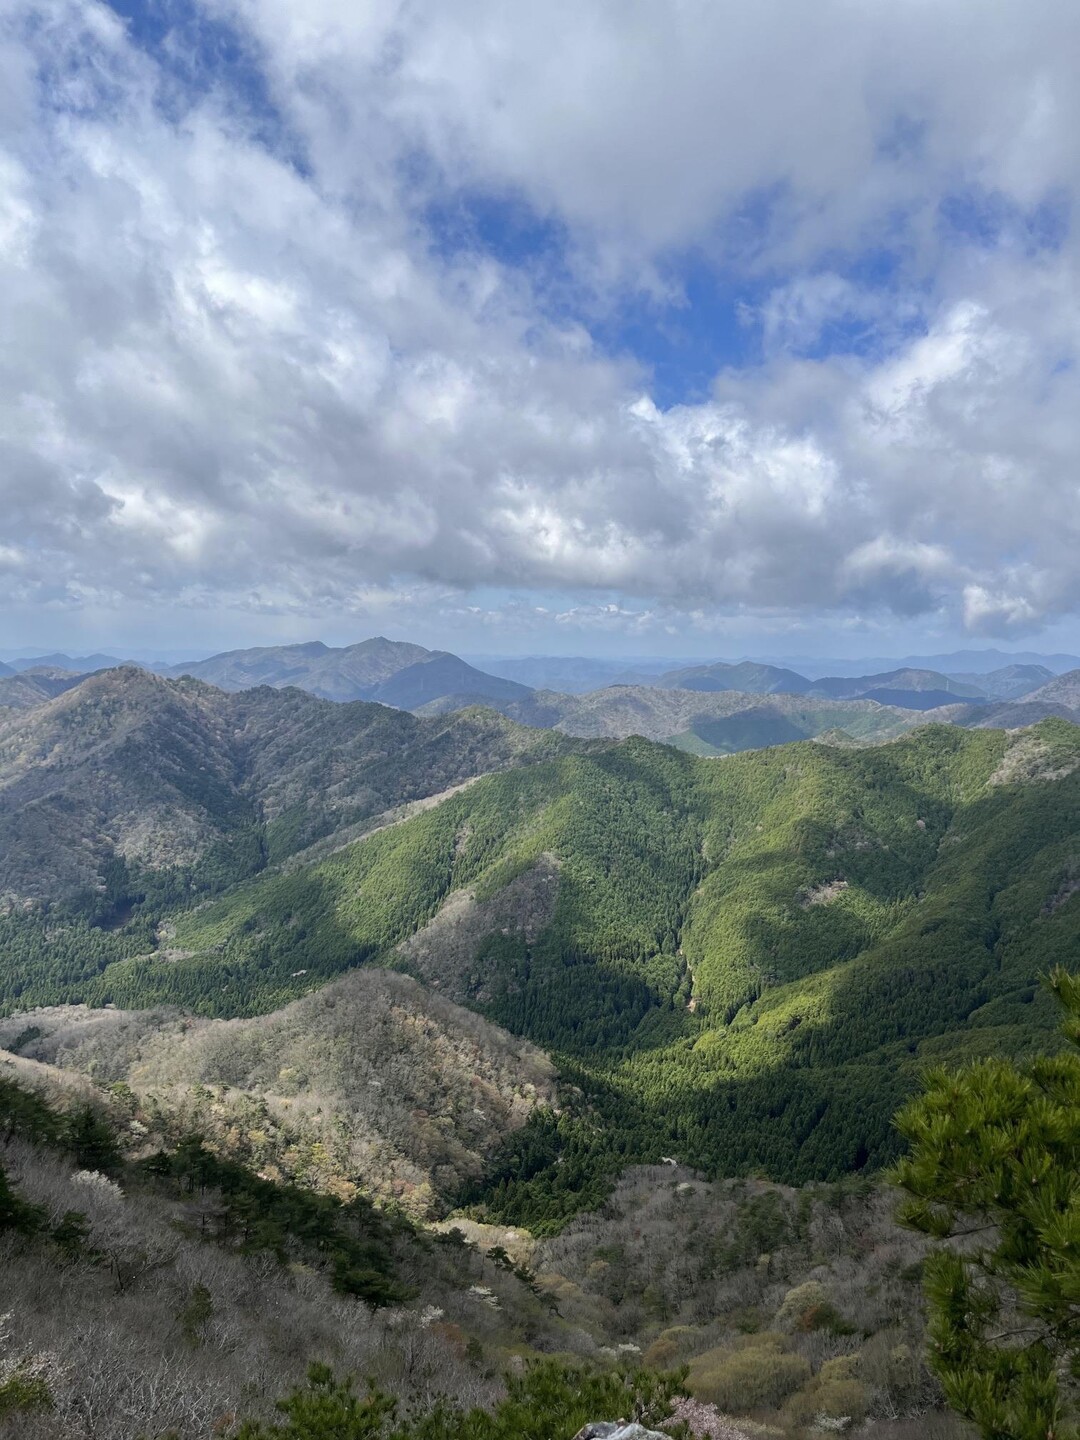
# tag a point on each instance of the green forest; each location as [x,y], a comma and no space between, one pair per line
[746,962]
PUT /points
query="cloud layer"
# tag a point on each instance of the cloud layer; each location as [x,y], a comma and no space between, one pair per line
[242,369]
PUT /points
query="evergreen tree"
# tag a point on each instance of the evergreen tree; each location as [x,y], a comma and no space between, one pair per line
[325,1409]
[90,1140]
[995,1165]
[552,1400]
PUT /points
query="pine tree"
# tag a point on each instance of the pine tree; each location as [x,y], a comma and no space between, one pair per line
[995,1167]
[90,1140]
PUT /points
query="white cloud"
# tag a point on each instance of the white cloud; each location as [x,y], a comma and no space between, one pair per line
[226,381]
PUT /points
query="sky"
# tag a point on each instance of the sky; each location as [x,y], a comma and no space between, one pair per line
[701,327]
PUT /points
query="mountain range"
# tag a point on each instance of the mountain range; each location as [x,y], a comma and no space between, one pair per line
[577,674]
[713,709]
[686,933]
[283,977]
[387,671]
[706,722]
[914,688]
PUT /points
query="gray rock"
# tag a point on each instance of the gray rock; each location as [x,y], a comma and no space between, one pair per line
[618,1430]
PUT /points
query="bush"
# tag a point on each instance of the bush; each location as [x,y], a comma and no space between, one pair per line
[808,1308]
[24,1390]
[834,1393]
[754,1377]
[896,1375]
[671,1347]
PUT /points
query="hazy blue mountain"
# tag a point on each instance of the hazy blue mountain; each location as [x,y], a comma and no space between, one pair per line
[444,674]
[74,664]
[955,662]
[391,672]
[6,669]
[747,676]
[917,699]
[572,674]
[349,673]
[716,722]
[1065,690]
[1011,682]
[909,682]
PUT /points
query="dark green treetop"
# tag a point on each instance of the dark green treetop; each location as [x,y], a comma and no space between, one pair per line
[994,1167]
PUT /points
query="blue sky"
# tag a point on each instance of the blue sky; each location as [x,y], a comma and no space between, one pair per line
[687,328]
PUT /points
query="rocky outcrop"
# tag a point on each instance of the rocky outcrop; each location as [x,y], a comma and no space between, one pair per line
[618,1430]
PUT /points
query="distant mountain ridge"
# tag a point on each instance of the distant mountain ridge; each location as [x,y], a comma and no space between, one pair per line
[77,665]
[1065,690]
[706,722]
[410,677]
[1010,682]
[910,688]
[748,677]
[390,672]
[954,662]
[32,687]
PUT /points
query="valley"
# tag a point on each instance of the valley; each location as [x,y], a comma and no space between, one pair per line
[555,992]
[743,963]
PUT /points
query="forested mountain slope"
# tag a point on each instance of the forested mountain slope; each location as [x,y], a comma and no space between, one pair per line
[370,1082]
[741,963]
[128,771]
[173,1293]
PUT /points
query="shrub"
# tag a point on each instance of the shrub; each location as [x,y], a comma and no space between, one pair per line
[24,1389]
[896,1375]
[671,1347]
[754,1377]
[807,1307]
[834,1394]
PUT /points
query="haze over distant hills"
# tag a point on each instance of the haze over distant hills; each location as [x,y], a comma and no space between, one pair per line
[711,709]
[577,674]
[391,672]
[76,664]
[33,687]
[704,722]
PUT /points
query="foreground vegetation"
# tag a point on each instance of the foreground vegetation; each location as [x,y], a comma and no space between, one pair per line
[178,1294]
[995,1161]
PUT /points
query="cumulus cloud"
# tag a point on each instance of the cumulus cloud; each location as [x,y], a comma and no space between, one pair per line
[237,370]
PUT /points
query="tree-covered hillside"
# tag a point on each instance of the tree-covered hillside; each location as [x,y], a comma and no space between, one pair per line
[741,963]
[127,774]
